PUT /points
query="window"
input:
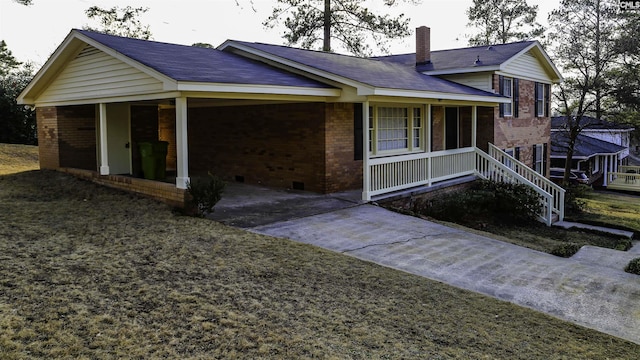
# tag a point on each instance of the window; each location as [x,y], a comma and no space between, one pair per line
[506,89]
[539,158]
[540,100]
[542,94]
[395,129]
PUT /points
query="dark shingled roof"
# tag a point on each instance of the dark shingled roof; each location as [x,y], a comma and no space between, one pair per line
[489,56]
[373,72]
[196,64]
[558,122]
[585,146]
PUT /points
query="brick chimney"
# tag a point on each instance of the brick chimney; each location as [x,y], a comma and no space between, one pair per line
[423,45]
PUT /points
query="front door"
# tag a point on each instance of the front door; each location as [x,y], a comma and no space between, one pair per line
[451,126]
[118,138]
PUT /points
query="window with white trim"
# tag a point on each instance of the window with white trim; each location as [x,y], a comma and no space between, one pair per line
[395,129]
[507,90]
[539,99]
[538,160]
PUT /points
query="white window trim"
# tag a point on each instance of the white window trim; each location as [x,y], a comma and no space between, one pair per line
[410,149]
[540,153]
[504,90]
[540,101]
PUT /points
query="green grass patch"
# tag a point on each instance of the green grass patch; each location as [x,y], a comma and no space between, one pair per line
[92,273]
[616,210]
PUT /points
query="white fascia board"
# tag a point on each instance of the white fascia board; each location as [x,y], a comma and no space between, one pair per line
[463,70]
[112,99]
[519,76]
[67,49]
[257,89]
[292,64]
[439,96]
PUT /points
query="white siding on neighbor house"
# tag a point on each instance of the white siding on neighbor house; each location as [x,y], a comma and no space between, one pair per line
[480,81]
[94,74]
[527,66]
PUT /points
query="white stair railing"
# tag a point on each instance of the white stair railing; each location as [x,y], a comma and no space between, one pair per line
[533,177]
[491,169]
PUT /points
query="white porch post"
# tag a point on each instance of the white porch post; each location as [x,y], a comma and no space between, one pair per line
[606,171]
[104,155]
[182,144]
[366,171]
[428,144]
[474,126]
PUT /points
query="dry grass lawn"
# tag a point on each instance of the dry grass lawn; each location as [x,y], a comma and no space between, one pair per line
[91,273]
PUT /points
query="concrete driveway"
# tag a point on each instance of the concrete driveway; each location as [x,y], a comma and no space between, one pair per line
[589,289]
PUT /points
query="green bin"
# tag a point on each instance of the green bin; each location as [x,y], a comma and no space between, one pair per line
[148,160]
[160,153]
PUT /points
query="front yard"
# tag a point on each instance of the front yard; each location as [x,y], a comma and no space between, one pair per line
[91,273]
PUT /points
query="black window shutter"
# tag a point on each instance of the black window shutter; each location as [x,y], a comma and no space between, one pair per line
[501,91]
[535,99]
[358,133]
[547,95]
[533,158]
[516,153]
[516,97]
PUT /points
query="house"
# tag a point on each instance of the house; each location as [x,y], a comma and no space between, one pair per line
[602,147]
[292,118]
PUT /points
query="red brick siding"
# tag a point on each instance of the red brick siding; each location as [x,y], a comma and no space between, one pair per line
[167,132]
[524,131]
[77,136]
[437,128]
[274,145]
[47,122]
[342,171]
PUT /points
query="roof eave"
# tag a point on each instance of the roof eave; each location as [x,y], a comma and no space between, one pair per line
[437,95]
[257,89]
[539,52]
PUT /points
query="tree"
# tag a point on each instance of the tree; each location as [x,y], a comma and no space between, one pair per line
[624,104]
[203,45]
[18,125]
[584,47]
[503,21]
[121,22]
[7,61]
[24,2]
[309,22]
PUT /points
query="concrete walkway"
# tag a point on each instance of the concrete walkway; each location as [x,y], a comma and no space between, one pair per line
[590,289]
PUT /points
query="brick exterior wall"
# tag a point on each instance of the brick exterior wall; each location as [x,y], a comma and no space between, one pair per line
[342,171]
[526,130]
[67,137]
[47,122]
[307,145]
[167,132]
[437,128]
[164,192]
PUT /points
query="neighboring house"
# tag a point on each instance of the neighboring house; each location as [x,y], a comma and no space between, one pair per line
[292,118]
[601,148]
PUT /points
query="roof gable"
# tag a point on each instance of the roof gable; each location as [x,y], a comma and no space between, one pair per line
[168,64]
[481,59]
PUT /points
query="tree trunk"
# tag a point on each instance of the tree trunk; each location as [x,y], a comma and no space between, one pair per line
[327,26]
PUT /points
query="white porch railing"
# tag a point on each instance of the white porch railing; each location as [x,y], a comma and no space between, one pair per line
[628,179]
[394,173]
[535,178]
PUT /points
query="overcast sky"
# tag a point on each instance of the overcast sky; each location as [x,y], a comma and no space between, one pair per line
[33,32]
